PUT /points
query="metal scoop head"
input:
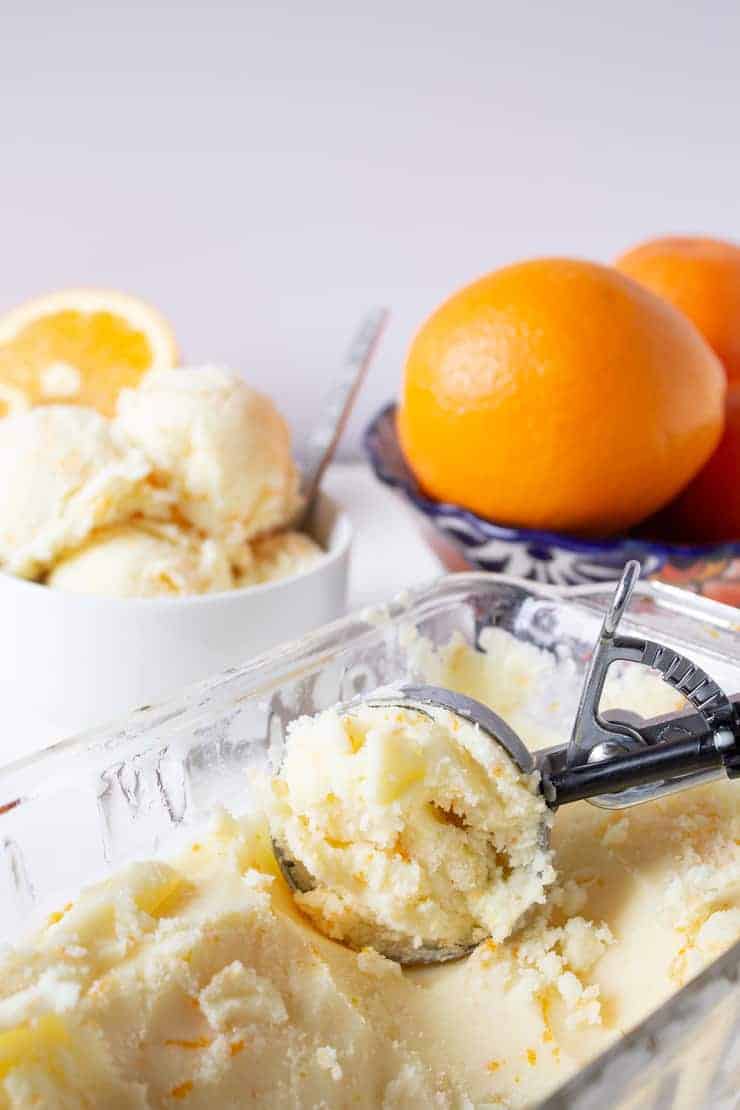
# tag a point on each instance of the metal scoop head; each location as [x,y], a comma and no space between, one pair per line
[423,699]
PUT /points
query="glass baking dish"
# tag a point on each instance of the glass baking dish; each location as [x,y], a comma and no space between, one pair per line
[134,790]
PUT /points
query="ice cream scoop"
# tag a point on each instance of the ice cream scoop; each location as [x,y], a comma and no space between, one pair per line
[415,833]
[613,760]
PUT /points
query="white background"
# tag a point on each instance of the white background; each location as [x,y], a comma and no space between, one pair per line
[264,172]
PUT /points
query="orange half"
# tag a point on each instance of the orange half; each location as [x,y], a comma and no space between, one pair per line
[80,346]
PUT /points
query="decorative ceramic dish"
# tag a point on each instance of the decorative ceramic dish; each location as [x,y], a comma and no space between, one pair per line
[464,540]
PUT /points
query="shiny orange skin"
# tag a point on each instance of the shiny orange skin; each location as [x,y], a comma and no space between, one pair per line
[559,394]
[701,277]
[708,510]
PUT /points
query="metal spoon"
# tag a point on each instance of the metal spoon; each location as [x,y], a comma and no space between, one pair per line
[614,760]
[336,407]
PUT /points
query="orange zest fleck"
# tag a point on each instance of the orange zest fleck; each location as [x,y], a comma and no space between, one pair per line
[199,1042]
[182,1090]
[544,998]
[55,917]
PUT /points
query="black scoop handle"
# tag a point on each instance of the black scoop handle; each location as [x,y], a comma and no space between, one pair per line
[670,748]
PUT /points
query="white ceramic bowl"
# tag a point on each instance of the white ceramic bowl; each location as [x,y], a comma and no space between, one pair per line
[70,661]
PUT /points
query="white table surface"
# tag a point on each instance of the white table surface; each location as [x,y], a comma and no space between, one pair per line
[388,553]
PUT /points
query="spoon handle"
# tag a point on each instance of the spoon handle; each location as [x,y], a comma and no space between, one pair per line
[335,409]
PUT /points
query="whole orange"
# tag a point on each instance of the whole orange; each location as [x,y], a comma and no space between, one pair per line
[708,510]
[701,277]
[559,394]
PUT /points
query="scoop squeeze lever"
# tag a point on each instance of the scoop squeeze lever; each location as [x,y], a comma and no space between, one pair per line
[617,759]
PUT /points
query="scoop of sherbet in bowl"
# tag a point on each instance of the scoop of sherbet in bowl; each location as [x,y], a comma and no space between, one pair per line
[65,473]
[144,559]
[158,545]
[220,447]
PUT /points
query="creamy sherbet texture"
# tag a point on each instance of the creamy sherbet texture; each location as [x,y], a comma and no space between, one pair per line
[183,492]
[416,829]
[221,447]
[144,559]
[199,983]
[65,473]
[279,556]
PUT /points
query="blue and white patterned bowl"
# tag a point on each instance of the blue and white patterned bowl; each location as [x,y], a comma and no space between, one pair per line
[466,539]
